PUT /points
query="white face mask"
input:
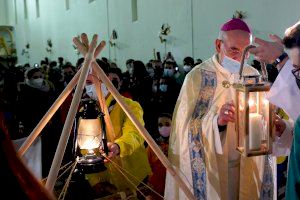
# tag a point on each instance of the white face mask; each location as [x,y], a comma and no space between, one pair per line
[187,68]
[104,90]
[150,72]
[130,70]
[165,131]
[37,82]
[231,65]
[154,88]
[91,91]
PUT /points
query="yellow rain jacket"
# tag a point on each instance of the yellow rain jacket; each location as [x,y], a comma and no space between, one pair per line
[133,156]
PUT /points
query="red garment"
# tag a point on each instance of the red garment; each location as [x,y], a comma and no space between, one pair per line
[127,95]
[64,108]
[158,176]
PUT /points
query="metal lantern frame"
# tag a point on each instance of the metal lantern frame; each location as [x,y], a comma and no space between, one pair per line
[246,86]
[89,159]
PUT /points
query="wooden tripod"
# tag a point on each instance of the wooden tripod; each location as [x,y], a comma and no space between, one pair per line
[80,79]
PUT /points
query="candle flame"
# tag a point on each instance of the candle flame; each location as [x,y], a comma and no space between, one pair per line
[251,102]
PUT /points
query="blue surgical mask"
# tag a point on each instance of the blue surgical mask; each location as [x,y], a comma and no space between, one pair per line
[168,72]
[163,87]
[231,65]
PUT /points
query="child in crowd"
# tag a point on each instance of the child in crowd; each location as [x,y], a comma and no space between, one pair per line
[157,178]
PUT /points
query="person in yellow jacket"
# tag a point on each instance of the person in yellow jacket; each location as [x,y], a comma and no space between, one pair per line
[127,148]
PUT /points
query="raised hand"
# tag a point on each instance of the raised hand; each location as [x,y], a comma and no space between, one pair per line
[83,46]
[268,51]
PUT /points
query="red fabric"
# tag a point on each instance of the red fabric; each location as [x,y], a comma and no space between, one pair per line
[235,24]
[64,108]
[127,95]
[158,176]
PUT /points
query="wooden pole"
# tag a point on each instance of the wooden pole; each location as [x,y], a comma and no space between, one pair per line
[110,129]
[46,118]
[70,117]
[143,132]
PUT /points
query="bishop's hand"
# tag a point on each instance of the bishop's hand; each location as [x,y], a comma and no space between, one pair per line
[227,114]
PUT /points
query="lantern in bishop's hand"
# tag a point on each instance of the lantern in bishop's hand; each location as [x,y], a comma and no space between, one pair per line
[254,124]
[90,138]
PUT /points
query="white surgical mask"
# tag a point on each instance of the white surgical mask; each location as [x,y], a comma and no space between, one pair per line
[168,72]
[91,91]
[104,90]
[231,65]
[154,88]
[37,83]
[150,72]
[130,71]
[165,131]
[187,68]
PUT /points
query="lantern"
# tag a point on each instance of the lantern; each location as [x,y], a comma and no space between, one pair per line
[254,124]
[90,138]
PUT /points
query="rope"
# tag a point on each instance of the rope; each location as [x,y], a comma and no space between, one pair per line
[65,188]
[120,170]
[64,172]
[128,173]
[45,179]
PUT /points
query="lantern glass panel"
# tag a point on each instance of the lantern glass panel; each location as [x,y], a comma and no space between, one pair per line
[258,121]
[89,134]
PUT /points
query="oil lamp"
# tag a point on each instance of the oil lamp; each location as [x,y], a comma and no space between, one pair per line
[91,138]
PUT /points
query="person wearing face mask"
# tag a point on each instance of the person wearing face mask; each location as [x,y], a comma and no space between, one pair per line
[169,68]
[129,67]
[203,136]
[126,145]
[188,64]
[34,99]
[150,69]
[157,178]
[285,91]
[171,71]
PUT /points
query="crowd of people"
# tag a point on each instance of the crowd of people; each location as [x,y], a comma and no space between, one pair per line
[29,91]
[202,138]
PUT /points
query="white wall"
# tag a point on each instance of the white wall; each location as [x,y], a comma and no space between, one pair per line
[3,13]
[264,17]
[194,25]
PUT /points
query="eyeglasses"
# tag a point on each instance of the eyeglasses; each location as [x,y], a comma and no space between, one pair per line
[232,51]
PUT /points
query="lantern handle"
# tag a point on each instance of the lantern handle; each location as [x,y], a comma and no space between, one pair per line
[264,71]
[262,64]
[243,60]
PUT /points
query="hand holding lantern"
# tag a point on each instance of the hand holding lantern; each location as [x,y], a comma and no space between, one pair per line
[227,114]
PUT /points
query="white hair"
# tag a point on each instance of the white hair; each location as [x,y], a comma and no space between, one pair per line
[222,34]
[289,30]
